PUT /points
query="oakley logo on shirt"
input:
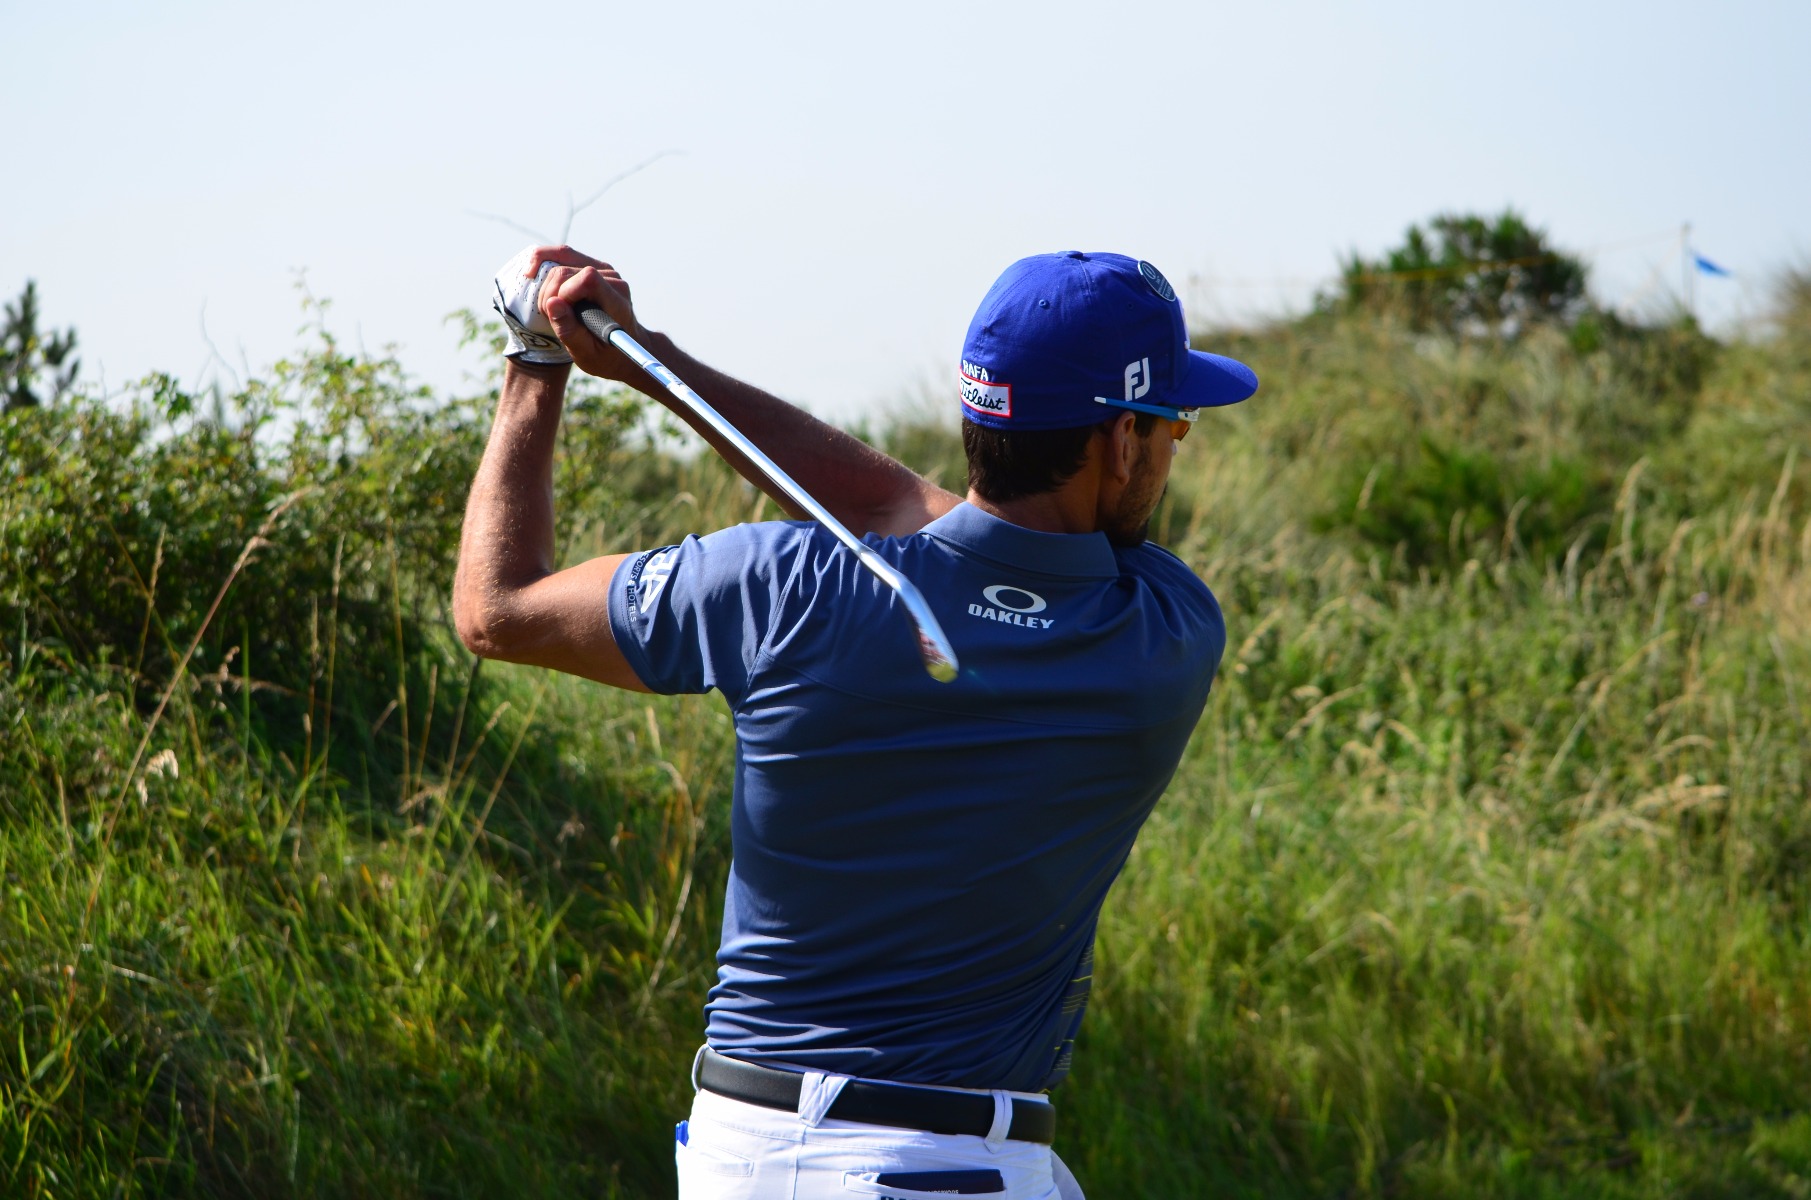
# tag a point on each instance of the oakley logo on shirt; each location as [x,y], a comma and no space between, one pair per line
[1011,606]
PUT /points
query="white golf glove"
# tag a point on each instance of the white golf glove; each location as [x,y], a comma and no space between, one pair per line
[517,298]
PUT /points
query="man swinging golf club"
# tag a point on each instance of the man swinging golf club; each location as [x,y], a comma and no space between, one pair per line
[918,865]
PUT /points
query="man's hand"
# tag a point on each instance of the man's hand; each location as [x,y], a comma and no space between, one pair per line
[515,294]
[572,277]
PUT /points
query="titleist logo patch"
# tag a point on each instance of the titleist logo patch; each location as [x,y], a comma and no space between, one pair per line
[982,394]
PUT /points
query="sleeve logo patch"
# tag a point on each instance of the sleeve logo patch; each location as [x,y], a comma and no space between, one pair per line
[981,394]
[656,569]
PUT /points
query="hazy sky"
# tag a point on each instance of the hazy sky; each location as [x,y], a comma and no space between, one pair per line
[849,178]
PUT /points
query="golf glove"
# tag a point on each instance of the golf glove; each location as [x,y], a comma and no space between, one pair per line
[517,299]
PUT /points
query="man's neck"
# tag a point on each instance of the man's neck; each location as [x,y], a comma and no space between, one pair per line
[1065,510]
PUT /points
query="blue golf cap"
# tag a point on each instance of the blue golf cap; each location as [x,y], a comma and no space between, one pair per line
[1060,339]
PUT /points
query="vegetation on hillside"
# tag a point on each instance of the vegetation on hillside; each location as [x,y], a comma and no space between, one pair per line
[1487,873]
[1469,275]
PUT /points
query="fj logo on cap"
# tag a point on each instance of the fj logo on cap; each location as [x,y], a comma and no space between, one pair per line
[1155,278]
[981,394]
[1138,379]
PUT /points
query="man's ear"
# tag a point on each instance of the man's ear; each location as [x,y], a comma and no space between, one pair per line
[1120,453]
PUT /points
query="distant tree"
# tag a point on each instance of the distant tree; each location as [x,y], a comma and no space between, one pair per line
[30,360]
[1470,275]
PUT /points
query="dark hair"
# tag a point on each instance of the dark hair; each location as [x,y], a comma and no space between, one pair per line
[1007,464]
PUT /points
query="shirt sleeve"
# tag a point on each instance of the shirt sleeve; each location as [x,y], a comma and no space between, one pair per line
[695,616]
[1188,608]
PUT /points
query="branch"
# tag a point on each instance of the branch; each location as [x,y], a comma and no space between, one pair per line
[214,355]
[539,237]
[574,210]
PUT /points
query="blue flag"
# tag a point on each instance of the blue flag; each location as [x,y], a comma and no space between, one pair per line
[1708,267]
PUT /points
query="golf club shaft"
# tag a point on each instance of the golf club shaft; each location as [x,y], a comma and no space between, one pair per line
[939,656]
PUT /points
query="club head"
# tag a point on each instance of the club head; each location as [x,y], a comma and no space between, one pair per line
[940,661]
[933,646]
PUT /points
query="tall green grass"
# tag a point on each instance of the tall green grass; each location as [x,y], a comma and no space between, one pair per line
[1465,880]
[1486,872]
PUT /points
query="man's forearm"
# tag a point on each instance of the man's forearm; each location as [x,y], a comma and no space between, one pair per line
[865,489]
[508,541]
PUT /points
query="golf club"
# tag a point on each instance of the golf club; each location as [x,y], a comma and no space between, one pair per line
[939,656]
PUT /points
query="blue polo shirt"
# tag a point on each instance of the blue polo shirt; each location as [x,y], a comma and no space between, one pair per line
[919,866]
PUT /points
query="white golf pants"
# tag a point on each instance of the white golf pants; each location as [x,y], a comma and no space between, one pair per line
[729,1150]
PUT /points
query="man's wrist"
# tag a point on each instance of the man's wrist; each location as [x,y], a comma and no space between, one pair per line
[532,390]
[551,372]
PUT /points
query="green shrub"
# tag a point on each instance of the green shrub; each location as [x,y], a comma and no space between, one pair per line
[1446,506]
[1469,275]
[341,484]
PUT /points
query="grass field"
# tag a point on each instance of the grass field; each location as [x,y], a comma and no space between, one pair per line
[1487,872]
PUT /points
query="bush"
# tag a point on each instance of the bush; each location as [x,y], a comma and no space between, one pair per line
[1469,275]
[1442,506]
[120,522]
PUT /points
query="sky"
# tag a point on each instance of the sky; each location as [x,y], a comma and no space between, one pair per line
[834,186]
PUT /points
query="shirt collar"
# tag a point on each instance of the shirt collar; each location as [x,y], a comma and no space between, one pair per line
[1087,555]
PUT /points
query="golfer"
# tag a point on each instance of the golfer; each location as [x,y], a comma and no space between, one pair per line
[918,866]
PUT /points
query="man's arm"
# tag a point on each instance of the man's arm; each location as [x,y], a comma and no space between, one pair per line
[508,601]
[863,488]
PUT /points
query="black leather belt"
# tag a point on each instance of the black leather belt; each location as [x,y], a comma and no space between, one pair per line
[899,1105]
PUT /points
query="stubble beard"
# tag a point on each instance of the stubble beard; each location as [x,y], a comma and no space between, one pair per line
[1131,521]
